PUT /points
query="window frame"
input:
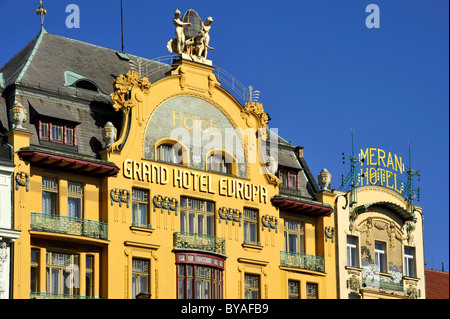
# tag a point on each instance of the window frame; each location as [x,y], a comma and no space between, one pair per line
[136,203]
[380,257]
[312,290]
[61,270]
[77,196]
[207,216]
[136,274]
[299,232]
[410,262]
[292,294]
[352,252]
[53,193]
[285,174]
[248,221]
[48,126]
[251,288]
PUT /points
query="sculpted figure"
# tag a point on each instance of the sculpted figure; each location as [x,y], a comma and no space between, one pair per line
[179,32]
[205,28]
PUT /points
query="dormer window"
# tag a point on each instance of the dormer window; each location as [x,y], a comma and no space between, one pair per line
[86,85]
[57,132]
[288,178]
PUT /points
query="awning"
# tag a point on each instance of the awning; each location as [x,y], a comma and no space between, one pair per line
[307,208]
[68,163]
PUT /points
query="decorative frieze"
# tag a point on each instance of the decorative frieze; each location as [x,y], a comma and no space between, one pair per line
[230,214]
[165,203]
[270,222]
[120,196]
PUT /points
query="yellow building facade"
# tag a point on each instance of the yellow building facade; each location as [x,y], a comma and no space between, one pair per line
[182,201]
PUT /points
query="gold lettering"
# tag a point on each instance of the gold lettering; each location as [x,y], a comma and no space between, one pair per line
[164,175]
[364,156]
[247,191]
[174,118]
[203,183]
[177,178]
[371,154]
[381,158]
[223,186]
[239,190]
[390,161]
[195,176]
[255,192]
[186,179]
[263,194]
[146,171]
[398,164]
[373,175]
[388,175]
[137,171]
[231,191]
[128,168]
[210,190]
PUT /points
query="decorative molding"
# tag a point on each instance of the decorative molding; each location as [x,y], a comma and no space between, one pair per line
[234,215]
[120,196]
[271,222]
[329,233]
[168,203]
[22,179]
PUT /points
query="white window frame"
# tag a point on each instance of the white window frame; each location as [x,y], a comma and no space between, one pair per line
[380,257]
[410,262]
[352,252]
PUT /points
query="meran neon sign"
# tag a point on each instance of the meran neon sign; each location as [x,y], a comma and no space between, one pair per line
[381,168]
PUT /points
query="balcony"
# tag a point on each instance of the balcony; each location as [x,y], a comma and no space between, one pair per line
[199,241]
[383,284]
[69,225]
[302,261]
[48,295]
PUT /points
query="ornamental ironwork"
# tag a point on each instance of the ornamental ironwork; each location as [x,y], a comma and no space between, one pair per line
[199,241]
[69,225]
[302,261]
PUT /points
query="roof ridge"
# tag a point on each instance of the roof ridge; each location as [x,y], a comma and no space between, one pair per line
[30,57]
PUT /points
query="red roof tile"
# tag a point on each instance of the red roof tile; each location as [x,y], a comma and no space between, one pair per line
[437,284]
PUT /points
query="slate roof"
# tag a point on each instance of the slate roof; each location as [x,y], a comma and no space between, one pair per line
[40,73]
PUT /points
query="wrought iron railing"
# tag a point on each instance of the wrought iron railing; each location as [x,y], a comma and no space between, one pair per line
[199,241]
[302,261]
[383,284]
[69,225]
[48,295]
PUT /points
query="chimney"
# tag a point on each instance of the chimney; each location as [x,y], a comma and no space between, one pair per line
[300,151]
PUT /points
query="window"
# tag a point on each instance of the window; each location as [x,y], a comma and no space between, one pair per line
[75,200]
[140,208]
[62,273]
[288,178]
[44,130]
[251,286]
[70,135]
[410,268]
[89,276]
[352,249]
[34,283]
[218,163]
[140,276]
[57,132]
[312,291]
[199,282]
[49,195]
[250,226]
[294,236]
[197,216]
[380,257]
[293,289]
[169,153]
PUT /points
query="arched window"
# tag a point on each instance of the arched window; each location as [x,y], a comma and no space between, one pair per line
[172,151]
[221,161]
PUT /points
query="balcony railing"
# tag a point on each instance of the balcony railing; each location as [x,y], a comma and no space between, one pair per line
[48,295]
[199,241]
[383,284]
[69,225]
[302,261]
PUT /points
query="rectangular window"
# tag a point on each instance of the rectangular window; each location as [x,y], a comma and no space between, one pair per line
[283,177]
[70,135]
[352,251]
[250,226]
[62,274]
[293,289]
[140,276]
[197,216]
[293,180]
[410,264]
[251,286]
[168,153]
[89,276]
[312,291]
[34,283]
[140,208]
[218,163]
[199,282]
[75,200]
[44,130]
[294,236]
[57,132]
[49,195]
[380,257]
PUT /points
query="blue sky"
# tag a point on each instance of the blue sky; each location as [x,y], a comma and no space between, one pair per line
[320,71]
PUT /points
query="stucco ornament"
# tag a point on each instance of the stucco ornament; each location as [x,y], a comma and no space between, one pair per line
[129,93]
[109,134]
[324,179]
[18,115]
